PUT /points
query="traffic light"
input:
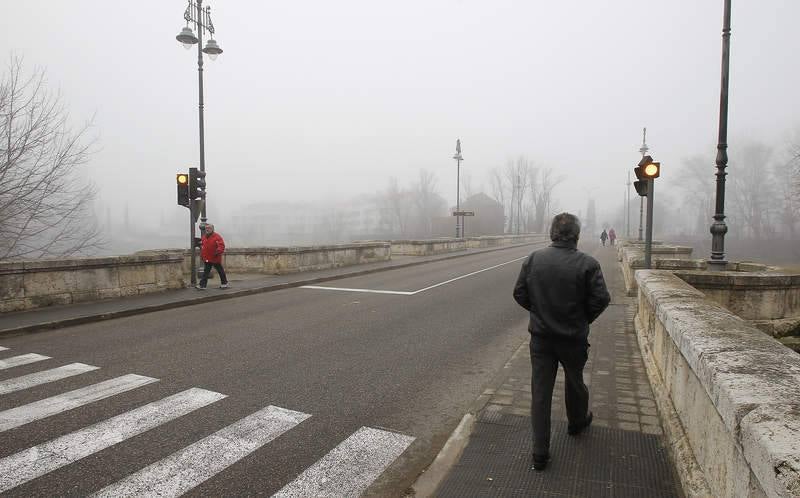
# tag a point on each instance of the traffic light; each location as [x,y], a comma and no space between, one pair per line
[197,184]
[647,169]
[182,180]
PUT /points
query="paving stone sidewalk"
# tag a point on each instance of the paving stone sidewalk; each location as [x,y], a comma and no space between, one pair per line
[621,454]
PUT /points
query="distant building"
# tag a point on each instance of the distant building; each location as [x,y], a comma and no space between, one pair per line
[489,218]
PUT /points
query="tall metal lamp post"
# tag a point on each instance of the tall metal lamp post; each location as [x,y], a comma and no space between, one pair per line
[719,228]
[458,159]
[200,18]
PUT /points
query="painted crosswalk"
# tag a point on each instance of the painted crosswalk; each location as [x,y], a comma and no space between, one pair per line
[347,470]
[47,457]
[37,410]
[3,349]
[180,471]
[38,378]
[24,359]
[350,467]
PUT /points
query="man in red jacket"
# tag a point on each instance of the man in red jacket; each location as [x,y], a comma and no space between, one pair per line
[211,249]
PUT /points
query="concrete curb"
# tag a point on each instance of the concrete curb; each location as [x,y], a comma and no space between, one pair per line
[428,482]
[230,294]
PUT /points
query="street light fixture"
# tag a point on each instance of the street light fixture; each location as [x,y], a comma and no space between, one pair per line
[200,18]
[459,218]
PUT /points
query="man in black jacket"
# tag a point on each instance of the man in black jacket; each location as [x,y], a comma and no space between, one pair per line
[564,291]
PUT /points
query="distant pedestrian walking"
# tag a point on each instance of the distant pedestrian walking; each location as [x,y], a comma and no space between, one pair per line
[603,237]
[211,250]
[612,236]
[564,291]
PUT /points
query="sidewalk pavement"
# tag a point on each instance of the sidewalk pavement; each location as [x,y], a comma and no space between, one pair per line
[621,454]
[241,285]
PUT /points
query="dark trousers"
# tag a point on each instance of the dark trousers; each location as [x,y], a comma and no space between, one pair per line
[545,357]
[207,268]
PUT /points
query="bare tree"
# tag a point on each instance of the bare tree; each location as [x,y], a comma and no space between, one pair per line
[516,174]
[542,191]
[498,189]
[428,201]
[45,204]
[397,204]
[752,189]
[697,182]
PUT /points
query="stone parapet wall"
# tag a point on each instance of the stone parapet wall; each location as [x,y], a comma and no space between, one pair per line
[663,257]
[427,247]
[281,260]
[754,295]
[487,241]
[735,391]
[32,284]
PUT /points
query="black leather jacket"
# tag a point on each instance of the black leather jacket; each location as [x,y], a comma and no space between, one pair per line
[564,291]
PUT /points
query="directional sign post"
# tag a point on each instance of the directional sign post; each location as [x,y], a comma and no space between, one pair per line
[461,214]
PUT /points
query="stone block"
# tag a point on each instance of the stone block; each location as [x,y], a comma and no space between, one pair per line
[85,296]
[137,275]
[11,286]
[108,293]
[50,299]
[771,443]
[9,305]
[44,283]
[169,275]
[91,279]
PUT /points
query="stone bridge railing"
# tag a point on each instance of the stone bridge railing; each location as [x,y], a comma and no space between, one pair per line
[33,284]
[427,247]
[728,394]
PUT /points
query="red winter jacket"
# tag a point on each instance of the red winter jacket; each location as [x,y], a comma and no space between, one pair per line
[212,248]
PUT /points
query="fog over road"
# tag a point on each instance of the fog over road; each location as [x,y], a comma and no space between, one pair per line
[347,374]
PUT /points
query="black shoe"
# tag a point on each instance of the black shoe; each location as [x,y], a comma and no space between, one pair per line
[574,430]
[540,461]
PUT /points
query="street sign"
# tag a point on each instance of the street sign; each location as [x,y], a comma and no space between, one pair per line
[463,213]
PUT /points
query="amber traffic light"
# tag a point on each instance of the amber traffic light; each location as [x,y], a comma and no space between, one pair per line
[182,181]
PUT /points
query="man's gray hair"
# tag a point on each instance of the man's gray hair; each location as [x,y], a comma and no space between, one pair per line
[565,228]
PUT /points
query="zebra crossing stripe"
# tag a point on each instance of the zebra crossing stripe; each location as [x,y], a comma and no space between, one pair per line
[21,415]
[24,359]
[350,467]
[43,377]
[189,467]
[3,349]
[38,460]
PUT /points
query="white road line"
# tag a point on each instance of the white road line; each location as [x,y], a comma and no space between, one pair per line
[3,349]
[350,467]
[39,378]
[24,359]
[344,289]
[411,293]
[470,274]
[38,460]
[189,467]
[25,414]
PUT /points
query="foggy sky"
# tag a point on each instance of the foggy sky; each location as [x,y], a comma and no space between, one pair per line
[327,99]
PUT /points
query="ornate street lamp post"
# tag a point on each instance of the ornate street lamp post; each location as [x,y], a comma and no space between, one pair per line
[195,15]
[201,20]
[459,218]
[719,228]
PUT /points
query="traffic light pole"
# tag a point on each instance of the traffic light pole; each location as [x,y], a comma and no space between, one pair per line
[648,243]
[192,265]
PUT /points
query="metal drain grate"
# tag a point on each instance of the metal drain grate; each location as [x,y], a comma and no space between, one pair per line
[602,462]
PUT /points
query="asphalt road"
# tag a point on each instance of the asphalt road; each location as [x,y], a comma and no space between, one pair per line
[358,378]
